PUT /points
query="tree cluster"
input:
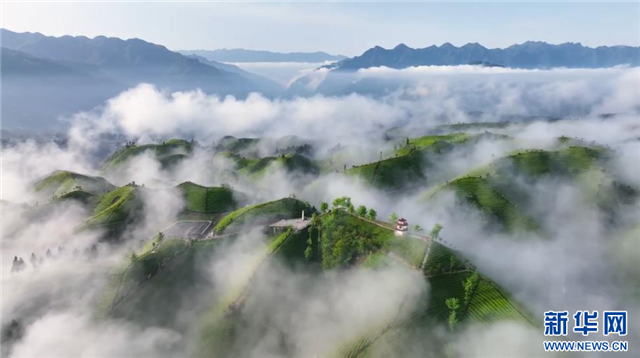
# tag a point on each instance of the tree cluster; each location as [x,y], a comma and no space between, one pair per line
[342,243]
[304,149]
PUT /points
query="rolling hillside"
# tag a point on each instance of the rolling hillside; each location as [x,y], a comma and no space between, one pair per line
[115,210]
[256,148]
[361,242]
[163,271]
[202,201]
[268,212]
[166,271]
[168,153]
[406,171]
[409,165]
[293,164]
[501,190]
[64,183]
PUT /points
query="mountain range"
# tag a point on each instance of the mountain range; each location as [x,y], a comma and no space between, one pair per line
[46,77]
[242,55]
[36,67]
[529,55]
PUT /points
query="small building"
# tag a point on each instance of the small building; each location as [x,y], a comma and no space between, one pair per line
[296,224]
[402,226]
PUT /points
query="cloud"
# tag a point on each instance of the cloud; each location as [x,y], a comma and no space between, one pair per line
[574,239]
[489,341]
[293,312]
[78,335]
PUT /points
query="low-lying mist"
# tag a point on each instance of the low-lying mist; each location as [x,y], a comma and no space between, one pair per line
[579,258]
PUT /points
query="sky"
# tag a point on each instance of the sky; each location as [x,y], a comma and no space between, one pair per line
[334,27]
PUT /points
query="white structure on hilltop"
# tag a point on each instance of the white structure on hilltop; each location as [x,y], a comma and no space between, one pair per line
[402,226]
[296,224]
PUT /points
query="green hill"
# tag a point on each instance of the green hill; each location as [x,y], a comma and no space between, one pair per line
[405,171]
[497,207]
[115,210]
[221,329]
[449,276]
[63,182]
[501,190]
[427,141]
[535,163]
[268,212]
[255,168]
[346,240]
[259,147]
[209,201]
[236,145]
[165,272]
[168,153]
[412,160]
[407,337]
[162,273]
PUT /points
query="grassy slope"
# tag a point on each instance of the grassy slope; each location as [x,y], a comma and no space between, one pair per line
[399,172]
[272,210]
[495,189]
[445,277]
[164,271]
[429,140]
[62,182]
[168,153]
[489,302]
[236,145]
[208,200]
[408,166]
[138,268]
[158,274]
[255,168]
[165,278]
[479,192]
[115,210]
[253,147]
[220,327]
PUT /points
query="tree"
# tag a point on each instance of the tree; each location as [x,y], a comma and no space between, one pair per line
[372,214]
[362,211]
[351,209]
[435,232]
[393,217]
[453,304]
[308,252]
[407,140]
[469,285]
[324,207]
[417,227]
[342,202]
[452,262]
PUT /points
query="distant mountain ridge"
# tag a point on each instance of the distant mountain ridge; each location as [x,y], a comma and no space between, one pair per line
[529,55]
[35,69]
[242,55]
[130,61]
